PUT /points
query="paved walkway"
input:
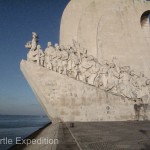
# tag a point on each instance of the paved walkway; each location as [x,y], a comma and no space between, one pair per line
[93,136]
[112,135]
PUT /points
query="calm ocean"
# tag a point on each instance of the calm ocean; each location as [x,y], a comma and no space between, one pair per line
[19,126]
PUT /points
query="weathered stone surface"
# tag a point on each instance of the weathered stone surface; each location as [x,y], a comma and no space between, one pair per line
[108,28]
[71,100]
[112,135]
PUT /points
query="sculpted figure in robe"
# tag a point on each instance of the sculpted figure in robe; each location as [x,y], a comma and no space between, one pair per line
[133,85]
[84,66]
[113,78]
[78,49]
[59,59]
[148,85]
[73,64]
[64,59]
[92,70]
[141,83]
[32,46]
[146,92]
[117,64]
[40,56]
[104,73]
[95,71]
[124,82]
[54,58]
[48,55]
[144,85]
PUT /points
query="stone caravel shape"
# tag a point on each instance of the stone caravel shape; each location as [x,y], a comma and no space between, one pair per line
[71,100]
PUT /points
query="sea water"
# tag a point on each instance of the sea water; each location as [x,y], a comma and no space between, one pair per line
[12,127]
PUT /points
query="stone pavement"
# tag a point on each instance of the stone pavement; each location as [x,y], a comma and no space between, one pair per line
[131,135]
[112,135]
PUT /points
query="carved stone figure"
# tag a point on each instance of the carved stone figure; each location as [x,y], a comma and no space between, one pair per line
[77,49]
[124,82]
[92,72]
[141,83]
[133,85]
[50,53]
[113,78]
[148,85]
[117,64]
[59,60]
[40,55]
[104,73]
[47,55]
[83,67]
[75,62]
[32,46]
[34,41]
[54,58]
[64,58]
[146,90]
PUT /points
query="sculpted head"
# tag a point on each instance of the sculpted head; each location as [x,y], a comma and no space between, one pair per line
[71,50]
[148,82]
[38,46]
[105,62]
[142,74]
[84,53]
[49,44]
[125,69]
[34,35]
[90,58]
[28,45]
[112,65]
[132,73]
[100,84]
[68,47]
[62,47]
[114,59]
[95,59]
[56,46]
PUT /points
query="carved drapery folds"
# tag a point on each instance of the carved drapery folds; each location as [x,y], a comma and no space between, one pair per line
[74,61]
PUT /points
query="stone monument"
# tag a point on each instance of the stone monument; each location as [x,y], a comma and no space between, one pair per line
[100,69]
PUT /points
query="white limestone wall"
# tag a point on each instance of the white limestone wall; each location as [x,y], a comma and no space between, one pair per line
[108,28]
[70,20]
[70,100]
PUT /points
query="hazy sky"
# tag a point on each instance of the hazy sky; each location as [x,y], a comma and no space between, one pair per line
[18,18]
